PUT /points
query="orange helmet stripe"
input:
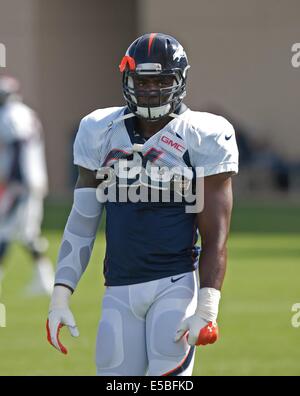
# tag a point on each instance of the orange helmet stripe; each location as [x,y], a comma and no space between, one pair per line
[151,39]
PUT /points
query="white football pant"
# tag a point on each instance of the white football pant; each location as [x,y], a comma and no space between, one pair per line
[138,325]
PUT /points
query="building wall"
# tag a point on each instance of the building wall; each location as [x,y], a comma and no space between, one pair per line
[240,52]
[80,47]
[19,34]
[66,54]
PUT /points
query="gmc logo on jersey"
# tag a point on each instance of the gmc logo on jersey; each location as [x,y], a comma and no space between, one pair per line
[173,144]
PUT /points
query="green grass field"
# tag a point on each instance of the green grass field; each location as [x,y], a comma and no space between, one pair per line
[262,284]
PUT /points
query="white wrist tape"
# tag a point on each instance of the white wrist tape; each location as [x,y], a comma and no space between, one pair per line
[79,236]
[208,303]
[60,297]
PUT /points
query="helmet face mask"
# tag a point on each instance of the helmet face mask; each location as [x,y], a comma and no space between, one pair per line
[154,81]
[152,100]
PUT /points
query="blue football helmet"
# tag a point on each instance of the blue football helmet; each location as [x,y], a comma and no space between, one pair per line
[159,57]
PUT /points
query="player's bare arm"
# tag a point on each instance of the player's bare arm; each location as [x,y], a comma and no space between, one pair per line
[213,224]
[86,178]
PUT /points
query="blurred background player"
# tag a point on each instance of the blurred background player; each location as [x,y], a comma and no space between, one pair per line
[23,184]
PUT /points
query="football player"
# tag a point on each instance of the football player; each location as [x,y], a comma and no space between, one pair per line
[23,184]
[154,310]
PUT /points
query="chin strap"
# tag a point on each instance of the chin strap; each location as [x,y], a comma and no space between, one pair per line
[155,113]
[131,115]
[123,117]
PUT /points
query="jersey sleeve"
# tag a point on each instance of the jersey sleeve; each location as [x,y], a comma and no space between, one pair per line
[91,139]
[215,151]
[86,149]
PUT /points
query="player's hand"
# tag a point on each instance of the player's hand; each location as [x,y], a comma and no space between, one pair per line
[60,315]
[202,327]
[200,331]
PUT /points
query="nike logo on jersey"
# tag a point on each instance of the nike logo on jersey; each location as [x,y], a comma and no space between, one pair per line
[228,137]
[177,279]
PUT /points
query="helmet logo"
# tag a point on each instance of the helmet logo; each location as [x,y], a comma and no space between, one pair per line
[179,53]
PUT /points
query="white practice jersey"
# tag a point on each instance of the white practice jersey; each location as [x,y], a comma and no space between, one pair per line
[208,138]
[148,240]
